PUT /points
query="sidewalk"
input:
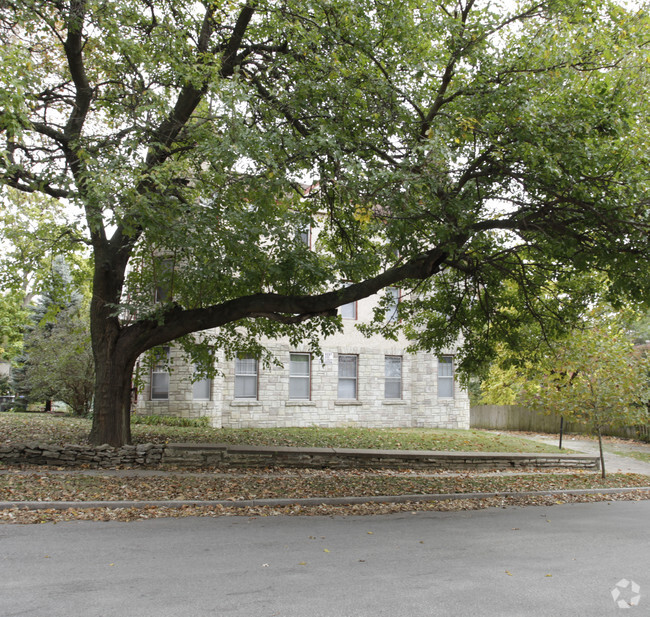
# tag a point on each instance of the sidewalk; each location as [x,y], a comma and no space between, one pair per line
[614,463]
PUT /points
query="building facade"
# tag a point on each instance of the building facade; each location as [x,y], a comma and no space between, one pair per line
[358,381]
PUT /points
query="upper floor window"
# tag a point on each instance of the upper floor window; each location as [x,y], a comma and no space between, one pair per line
[164,274]
[305,235]
[246,373]
[348,311]
[394,294]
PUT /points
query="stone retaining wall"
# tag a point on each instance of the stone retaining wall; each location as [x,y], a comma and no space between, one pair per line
[223,455]
[70,455]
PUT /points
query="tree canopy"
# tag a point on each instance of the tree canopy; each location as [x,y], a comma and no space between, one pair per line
[447,146]
[594,376]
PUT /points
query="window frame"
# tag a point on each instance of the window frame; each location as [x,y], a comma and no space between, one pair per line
[300,377]
[392,310]
[204,380]
[391,380]
[446,360]
[354,380]
[237,374]
[160,368]
[353,306]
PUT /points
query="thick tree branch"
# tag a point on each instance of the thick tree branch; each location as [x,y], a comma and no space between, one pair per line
[178,322]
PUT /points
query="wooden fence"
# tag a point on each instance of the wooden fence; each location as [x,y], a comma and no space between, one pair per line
[515,418]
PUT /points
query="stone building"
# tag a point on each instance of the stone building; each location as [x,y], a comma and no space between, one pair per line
[359,381]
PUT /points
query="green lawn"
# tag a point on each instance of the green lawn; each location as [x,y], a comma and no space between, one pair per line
[23,428]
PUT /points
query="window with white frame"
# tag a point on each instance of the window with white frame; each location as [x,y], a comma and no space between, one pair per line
[348,377]
[393,377]
[160,375]
[446,377]
[246,377]
[201,388]
[348,311]
[393,302]
[299,376]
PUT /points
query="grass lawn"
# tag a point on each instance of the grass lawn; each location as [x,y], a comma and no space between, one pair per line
[42,428]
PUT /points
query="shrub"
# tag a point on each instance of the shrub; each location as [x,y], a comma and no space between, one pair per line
[154,420]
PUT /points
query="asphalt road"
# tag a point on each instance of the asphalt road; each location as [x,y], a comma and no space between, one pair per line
[534,561]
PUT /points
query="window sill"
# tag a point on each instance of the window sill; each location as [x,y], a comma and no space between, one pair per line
[245,403]
[397,401]
[300,403]
[348,403]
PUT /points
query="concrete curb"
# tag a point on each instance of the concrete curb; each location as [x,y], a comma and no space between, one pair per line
[310,501]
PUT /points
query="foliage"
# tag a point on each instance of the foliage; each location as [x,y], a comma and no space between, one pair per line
[13,316]
[34,230]
[154,420]
[594,377]
[450,147]
[60,362]
[5,386]
[57,360]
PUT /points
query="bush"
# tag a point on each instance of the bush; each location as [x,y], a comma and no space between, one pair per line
[154,420]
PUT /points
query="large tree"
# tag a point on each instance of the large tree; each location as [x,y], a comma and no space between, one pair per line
[449,145]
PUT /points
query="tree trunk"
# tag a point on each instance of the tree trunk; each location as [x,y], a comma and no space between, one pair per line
[114,356]
[112,406]
[602,457]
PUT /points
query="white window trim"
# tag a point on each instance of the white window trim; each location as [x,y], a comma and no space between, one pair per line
[447,378]
[257,379]
[160,368]
[300,377]
[394,379]
[354,379]
[194,385]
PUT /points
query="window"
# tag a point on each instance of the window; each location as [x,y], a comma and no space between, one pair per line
[393,377]
[160,375]
[446,377]
[299,376]
[163,275]
[246,377]
[305,236]
[394,296]
[201,388]
[348,311]
[347,377]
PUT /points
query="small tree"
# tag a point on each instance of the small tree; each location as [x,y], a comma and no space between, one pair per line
[61,362]
[56,361]
[595,377]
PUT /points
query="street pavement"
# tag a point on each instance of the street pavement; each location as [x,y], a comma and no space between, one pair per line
[519,562]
